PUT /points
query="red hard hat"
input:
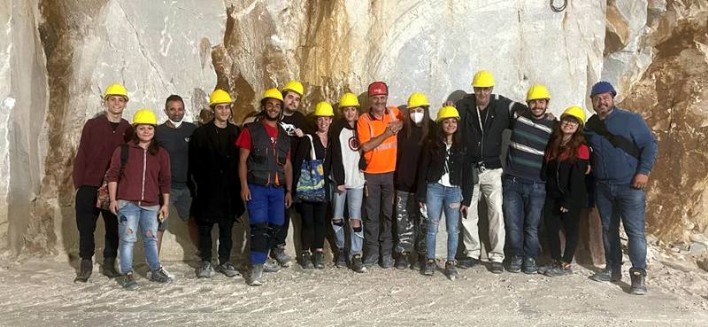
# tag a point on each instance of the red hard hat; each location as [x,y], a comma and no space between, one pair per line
[378,88]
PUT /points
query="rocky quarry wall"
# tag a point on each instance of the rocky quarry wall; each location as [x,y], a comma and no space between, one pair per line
[57,56]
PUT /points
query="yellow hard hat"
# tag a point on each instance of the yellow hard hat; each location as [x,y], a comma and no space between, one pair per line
[272,93]
[576,112]
[483,78]
[116,89]
[294,86]
[418,99]
[447,112]
[324,109]
[348,100]
[537,92]
[144,116]
[219,96]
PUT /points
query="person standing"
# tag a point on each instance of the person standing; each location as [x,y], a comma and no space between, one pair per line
[567,159]
[483,118]
[213,163]
[417,128]
[624,153]
[99,137]
[173,136]
[265,172]
[524,186]
[138,181]
[348,183]
[377,131]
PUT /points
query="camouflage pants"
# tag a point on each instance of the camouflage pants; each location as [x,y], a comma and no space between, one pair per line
[410,224]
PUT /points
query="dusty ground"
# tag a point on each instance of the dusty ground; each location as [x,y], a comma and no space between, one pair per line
[41,292]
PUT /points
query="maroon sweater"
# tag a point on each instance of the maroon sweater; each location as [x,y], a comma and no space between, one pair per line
[98,140]
[145,176]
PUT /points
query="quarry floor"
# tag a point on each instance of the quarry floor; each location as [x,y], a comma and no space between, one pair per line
[41,292]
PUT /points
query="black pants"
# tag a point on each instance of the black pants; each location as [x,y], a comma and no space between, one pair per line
[554,220]
[225,240]
[86,218]
[313,224]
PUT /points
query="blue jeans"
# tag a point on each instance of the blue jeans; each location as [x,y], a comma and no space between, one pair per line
[622,202]
[266,214]
[523,204]
[354,198]
[439,198]
[130,216]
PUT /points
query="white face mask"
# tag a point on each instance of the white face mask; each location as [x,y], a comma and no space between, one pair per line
[175,123]
[417,117]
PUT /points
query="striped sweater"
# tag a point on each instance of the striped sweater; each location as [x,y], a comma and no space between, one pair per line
[529,137]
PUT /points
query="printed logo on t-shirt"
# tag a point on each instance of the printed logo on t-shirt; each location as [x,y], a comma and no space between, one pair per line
[353,144]
[289,128]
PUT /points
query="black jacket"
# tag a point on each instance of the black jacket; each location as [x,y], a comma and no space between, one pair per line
[335,164]
[214,168]
[565,181]
[486,146]
[303,153]
[432,166]
[408,156]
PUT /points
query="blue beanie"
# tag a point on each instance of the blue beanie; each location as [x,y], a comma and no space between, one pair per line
[602,87]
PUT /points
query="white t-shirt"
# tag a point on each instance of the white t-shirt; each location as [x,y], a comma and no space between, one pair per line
[353,177]
[445,179]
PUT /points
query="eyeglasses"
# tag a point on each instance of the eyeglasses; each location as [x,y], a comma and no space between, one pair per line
[570,122]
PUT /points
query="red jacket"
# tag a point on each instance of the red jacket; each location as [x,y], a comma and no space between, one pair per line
[98,140]
[145,176]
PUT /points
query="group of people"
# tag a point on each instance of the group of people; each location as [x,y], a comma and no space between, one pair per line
[353,172]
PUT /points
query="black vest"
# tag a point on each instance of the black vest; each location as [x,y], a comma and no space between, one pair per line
[266,162]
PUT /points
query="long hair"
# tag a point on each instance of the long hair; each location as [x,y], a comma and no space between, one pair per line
[440,137]
[557,151]
[153,148]
[408,124]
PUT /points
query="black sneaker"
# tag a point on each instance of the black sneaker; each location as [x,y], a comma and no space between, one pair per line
[387,262]
[204,270]
[84,272]
[160,276]
[129,282]
[319,260]
[467,262]
[278,253]
[559,269]
[450,270]
[306,260]
[228,269]
[109,268]
[341,259]
[402,260]
[271,266]
[357,264]
[497,268]
[544,268]
[530,266]
[515,264]
[639,282]
[430,267]
[608,275]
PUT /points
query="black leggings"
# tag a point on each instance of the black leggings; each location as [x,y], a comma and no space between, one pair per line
[554,221]
[313,225]
[225,229]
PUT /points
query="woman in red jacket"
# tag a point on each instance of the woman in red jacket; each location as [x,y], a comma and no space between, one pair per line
[139,186]
[566,160]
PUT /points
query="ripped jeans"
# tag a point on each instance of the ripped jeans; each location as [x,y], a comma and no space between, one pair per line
[130,215]
[410,224]
[437,199]
[353,197]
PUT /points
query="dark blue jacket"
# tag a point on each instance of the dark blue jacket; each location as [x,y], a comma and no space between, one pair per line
[613,165]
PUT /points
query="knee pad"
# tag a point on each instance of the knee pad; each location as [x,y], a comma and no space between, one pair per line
[259,237]
[273,230]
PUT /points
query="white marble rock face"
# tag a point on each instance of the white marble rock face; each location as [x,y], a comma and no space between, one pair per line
[56,59]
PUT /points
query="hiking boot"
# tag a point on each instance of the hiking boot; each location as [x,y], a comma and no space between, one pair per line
[256,275]
[515,264]
[450,270]
[271,266]
[84,272]
[608,275]
[204,270]
[278,253]
[402,261]
[387,262]
[318,260]
[129,282]
[430,267]
[341,259]
[109,268]
[497,268]
[559,269]
[228,269]
[306,260]
[530,266]
[160,276]
[639,282]
[543,268]
[370,260]
[357,264]
[467,262]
